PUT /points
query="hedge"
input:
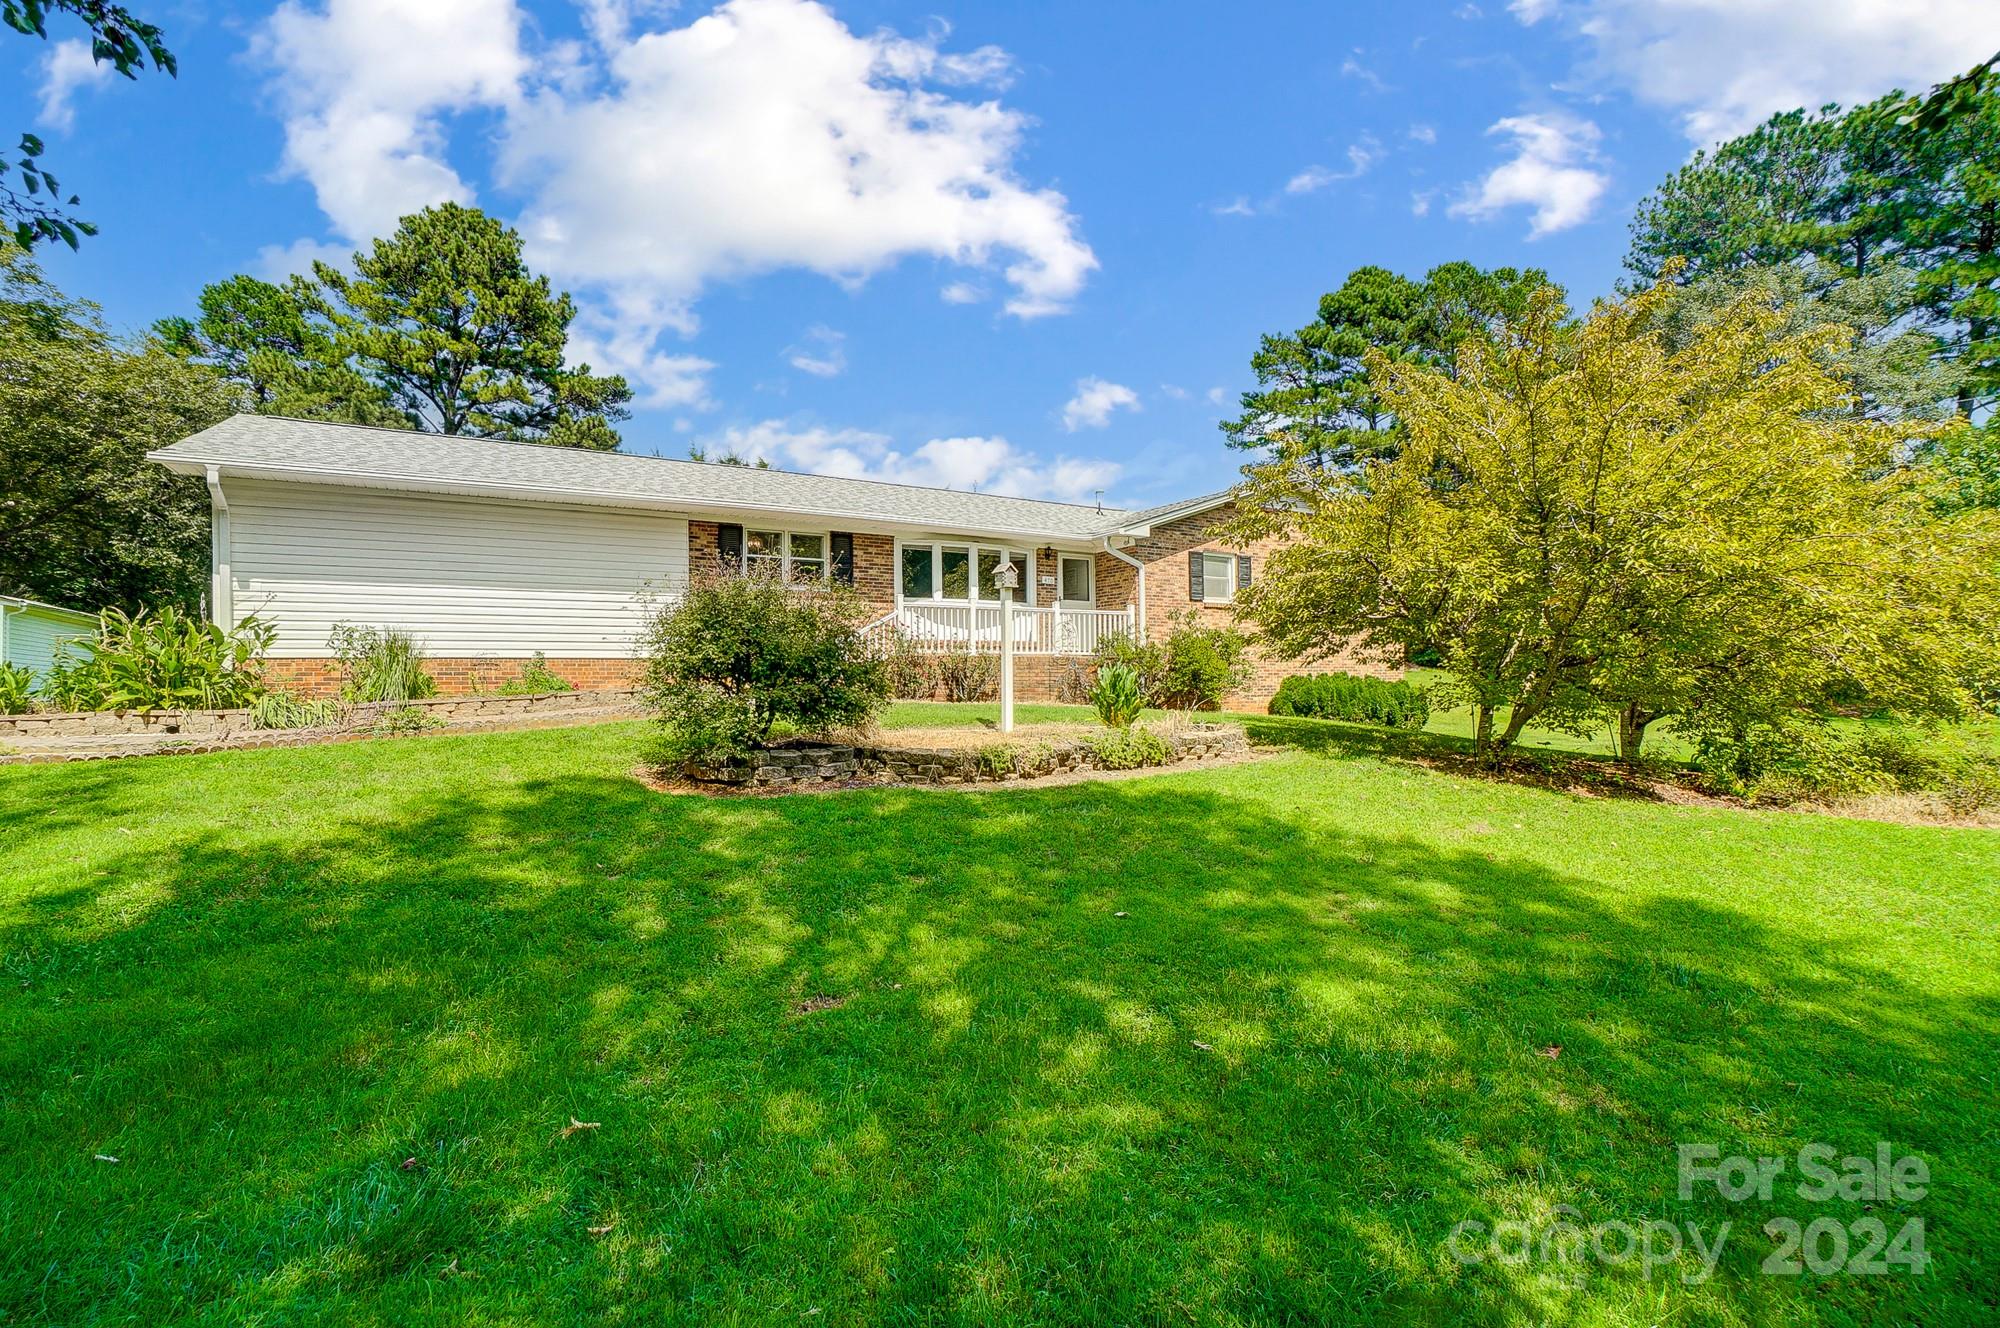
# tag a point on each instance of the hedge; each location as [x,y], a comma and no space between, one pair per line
[1399,705]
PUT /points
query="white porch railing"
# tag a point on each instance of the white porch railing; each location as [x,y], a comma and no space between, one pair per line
[940,625]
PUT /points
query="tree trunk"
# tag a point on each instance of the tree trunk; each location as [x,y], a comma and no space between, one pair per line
[1632,722]
[1482,735]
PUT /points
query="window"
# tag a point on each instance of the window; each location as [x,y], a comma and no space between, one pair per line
[919,571]
[965,572]
[808,558]
[1218,578]
[786,554]
[764,551]
[957,565]
[1076,580]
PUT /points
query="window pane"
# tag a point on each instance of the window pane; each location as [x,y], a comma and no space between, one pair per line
[1076,578]
[1218,578]
[808,546]
[1019,594]
[957,572]
[989,563]
[763,551]
[917,571]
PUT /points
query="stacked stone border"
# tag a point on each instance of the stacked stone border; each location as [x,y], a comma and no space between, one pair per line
[99,734]
[1002,761]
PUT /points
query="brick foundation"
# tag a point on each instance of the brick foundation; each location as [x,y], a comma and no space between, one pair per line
[458,677]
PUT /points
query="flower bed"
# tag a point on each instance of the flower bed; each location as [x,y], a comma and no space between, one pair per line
[1001,761]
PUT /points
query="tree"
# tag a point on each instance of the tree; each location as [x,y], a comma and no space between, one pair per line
[1588,520]
[445,317]
[85,520]
[37,211]
[266,339]
[1315,402]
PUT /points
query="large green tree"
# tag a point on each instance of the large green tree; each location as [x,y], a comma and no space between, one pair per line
[1588,521]
[1315,403]
[85,520]
[36,210]
[446,317]
[267,339]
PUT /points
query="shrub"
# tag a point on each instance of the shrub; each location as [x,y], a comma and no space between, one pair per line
[957,674]
[1811,761]
[739,654]
[536,678]
[160,660]
[1129,748]
[16,688]
[282,710]
[379,664]
[1399,705]
[1117,695]
[1192,669]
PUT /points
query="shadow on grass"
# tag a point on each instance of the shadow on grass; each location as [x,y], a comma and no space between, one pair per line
[1111,1052]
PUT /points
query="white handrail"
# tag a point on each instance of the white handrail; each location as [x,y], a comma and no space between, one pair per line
[952,625]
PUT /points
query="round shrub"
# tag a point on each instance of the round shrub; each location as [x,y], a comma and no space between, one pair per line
[1398,705]
[739,655]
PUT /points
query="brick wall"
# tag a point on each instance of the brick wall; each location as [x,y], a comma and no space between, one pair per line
[458,677]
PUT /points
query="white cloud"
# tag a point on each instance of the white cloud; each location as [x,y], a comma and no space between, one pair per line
[1468,12]
[1173,392]
[1552,172]
[629,345]
[1420,202]
[1216,396]
[1727,65]
[1423,133]
[1094,402]
[821,352]
[988,464]
[1531,11]
[1368,78]
[67,68]
[275,262]
[1238,206]
[656,161]
[961,292]
[1360,157]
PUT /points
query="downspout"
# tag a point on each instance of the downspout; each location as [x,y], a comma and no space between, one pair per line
[220,587]
[1140,569]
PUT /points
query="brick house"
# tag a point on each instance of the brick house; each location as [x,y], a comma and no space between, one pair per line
[490,552]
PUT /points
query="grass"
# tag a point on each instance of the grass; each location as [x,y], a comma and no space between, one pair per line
[1228,1046]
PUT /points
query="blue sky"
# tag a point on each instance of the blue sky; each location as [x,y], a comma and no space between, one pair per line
[1026,247]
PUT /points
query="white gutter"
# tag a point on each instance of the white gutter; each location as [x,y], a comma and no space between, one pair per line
[221,590]
[1139,568]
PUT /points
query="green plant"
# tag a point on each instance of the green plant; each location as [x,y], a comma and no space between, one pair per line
[1203,663]
[1812,761]
[1399,705]
[16,688]
[1117,695]
[536,678]
[966,675]
[1129,748]
[379,664]
[403,719]
[160,660]
[740,654]
[282,710]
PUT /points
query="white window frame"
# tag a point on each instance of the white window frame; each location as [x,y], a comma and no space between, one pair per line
[825,538]
[1089,578]
[1208,595]
[973,549]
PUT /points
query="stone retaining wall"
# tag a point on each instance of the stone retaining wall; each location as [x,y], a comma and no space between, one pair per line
[1024,758]
[230,723]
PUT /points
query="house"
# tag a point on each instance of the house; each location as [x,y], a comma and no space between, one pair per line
[30,631]
[491,551]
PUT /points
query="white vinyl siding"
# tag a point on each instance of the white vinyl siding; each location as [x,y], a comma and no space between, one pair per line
[470,577]
[29,636]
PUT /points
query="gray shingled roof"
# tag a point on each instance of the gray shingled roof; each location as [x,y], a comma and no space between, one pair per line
[314,451]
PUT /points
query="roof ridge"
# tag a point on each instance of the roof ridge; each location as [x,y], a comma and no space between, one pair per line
[677,461]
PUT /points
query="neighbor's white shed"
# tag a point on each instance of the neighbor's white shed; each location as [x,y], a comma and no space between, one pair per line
[29,631]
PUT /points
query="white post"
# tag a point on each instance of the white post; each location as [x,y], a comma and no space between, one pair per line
[1006,662]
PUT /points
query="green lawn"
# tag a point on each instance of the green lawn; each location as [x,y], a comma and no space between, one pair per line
[1236,1045]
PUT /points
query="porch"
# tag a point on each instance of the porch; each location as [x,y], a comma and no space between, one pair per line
[946,627]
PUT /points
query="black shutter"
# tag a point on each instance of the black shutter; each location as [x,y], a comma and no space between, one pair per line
[729,544]
[1242,572]
[1194,578]
[843,557]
